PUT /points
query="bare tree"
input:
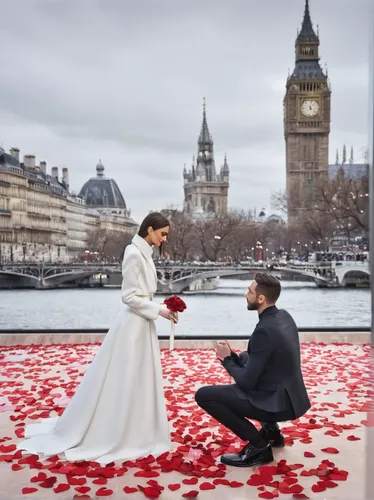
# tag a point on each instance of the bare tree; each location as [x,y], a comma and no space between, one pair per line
[96,239]
[279,201]
[107,243]
[182,238]
[215,234]
[338,203]
[115,244]
[345,202]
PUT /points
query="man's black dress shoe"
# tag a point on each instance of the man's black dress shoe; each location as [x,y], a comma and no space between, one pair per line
[249,456]
[272,435]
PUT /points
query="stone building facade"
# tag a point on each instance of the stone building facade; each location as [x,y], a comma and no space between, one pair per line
[205,191]
[41,221]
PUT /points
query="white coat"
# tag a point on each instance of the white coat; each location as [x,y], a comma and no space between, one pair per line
[118,411]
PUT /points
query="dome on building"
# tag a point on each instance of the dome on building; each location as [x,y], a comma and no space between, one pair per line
[102,192]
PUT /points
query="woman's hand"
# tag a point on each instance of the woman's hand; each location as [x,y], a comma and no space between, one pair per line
[170,315]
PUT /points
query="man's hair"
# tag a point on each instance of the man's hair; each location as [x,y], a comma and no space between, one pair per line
[268,286]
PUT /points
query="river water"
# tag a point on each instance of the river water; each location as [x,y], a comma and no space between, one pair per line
[221,312]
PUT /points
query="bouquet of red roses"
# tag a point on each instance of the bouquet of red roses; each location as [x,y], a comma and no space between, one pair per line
[175,304]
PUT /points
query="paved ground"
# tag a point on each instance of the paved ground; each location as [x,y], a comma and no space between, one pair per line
[324,457]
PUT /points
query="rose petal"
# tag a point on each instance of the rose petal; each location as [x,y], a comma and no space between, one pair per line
[129,489]
[190,494]
[330,450]
[104,492]
[174,487]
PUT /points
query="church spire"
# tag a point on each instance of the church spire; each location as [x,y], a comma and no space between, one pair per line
[351,159]
[225,167]
[204,137]
[307,31]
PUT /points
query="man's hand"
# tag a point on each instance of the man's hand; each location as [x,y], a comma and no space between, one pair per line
[222,350]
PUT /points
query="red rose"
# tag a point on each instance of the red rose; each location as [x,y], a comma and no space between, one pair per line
[175,304]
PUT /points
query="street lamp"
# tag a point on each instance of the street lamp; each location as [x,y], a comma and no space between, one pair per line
[24,248]
[259,248]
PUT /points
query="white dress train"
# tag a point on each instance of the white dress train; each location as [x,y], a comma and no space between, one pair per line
[118,411]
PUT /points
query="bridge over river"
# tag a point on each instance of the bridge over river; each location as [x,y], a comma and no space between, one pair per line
[178,278]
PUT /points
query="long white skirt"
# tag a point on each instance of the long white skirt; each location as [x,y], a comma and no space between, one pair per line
[118,411]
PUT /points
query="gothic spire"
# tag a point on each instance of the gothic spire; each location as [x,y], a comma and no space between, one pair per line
[205,137]
[344,154]
[337,157]
[351,158]
[307,32]
[307,52]
[225,167]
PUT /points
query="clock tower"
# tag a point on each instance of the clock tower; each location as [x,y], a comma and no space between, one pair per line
[306,122]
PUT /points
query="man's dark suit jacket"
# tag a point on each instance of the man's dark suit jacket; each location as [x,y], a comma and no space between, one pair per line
[272,368]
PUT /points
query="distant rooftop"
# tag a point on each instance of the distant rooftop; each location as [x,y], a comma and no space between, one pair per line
[351,170]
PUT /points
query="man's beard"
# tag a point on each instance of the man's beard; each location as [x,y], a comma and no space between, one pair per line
[252,306]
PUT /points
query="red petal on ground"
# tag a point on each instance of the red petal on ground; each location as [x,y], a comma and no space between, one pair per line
[193,480]
[266,494]
[104,492]
[76,481]
[174,487]
[190,494]
[83,489]
[236,484]
[8,449]
[149,492]
[20,432]
[16,467]
[28,491]
[268,470]
[49,482]
[330,450]
[61,487]
[296,488]
[146,473]
[338,477]
[207,486]
[317,488]
[330,484]
[255,480]
[100,480]
[154,484]
[129,489]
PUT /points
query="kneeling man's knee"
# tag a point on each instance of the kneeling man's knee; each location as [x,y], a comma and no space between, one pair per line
[200,395]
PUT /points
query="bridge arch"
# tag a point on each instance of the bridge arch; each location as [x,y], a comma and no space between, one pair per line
[353,277]
[20,279]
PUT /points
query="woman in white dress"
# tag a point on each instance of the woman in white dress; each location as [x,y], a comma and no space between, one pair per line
[118,411]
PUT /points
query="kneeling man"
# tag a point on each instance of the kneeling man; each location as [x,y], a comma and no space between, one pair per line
[269,385]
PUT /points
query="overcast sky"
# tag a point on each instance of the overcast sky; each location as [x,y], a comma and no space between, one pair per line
[123,80]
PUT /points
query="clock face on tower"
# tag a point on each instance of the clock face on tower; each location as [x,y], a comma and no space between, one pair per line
[310,108]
